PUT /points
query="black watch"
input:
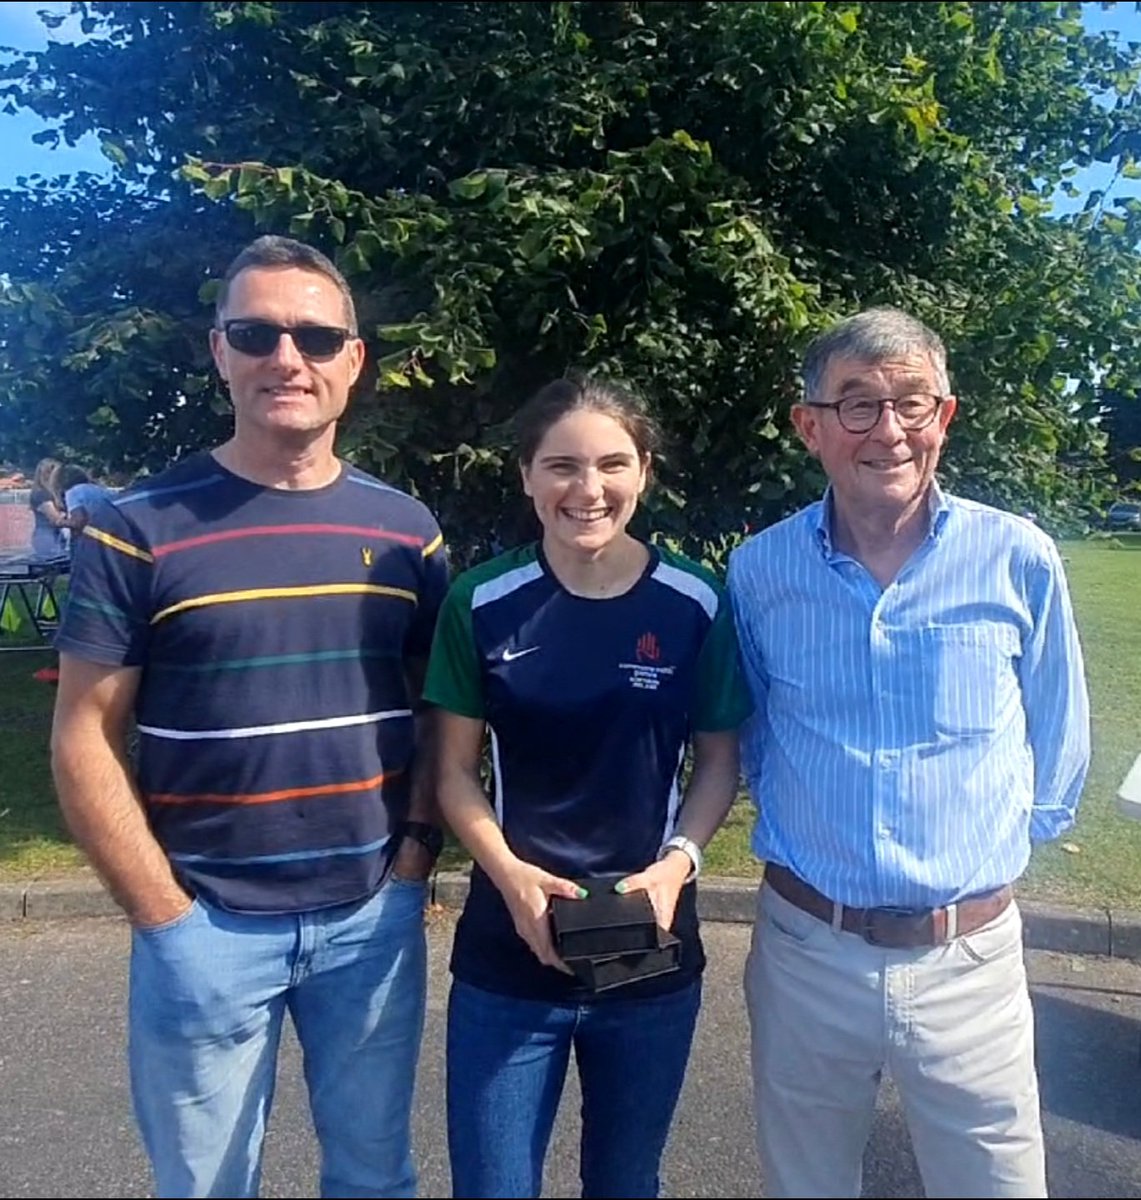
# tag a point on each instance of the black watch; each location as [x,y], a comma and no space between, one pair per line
[431,837]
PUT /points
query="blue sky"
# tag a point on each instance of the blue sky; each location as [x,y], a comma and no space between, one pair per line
[21,27]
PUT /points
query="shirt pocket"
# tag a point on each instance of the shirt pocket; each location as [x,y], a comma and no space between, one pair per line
[971,677]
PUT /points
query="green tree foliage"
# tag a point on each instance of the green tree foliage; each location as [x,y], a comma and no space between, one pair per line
[676,194]
[1121,420]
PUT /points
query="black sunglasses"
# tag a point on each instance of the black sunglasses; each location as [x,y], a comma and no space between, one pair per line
[259,339]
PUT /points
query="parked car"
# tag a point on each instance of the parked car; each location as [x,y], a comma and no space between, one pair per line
[1124,515]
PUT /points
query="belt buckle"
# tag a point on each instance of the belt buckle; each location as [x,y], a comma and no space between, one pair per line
[900,918]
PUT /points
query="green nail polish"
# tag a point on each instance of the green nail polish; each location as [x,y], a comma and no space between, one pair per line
[620,887]
[582,893]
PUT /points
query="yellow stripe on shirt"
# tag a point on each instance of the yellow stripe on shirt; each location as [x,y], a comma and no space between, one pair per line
[123,547]
[433,545]
[284,593]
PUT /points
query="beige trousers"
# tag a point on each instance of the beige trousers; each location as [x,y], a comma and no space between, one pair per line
[952,1025]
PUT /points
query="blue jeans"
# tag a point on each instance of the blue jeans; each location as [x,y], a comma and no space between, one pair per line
[507,1062]
[207,998]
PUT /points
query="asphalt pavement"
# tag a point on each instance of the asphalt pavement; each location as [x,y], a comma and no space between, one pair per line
[66,1127]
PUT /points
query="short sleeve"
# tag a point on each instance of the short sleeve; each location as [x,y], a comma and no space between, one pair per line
[433,588]
[106,617]
[723,701]
[454,681]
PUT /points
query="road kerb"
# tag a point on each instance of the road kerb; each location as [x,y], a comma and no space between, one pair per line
[1060,928]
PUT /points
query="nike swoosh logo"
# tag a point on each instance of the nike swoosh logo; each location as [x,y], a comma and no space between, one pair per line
[512,655]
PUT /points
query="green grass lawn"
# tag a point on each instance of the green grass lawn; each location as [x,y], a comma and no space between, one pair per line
[33,842]
[1098,862]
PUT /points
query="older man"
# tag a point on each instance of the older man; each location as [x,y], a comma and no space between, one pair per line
[264,611]
[921,719]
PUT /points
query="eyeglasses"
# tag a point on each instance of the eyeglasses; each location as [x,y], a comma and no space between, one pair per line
[259,339]
[861,414]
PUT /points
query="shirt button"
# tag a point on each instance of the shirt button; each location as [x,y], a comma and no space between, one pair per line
[885,760]
[884,831]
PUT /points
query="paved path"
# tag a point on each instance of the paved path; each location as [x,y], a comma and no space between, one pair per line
[66,1128]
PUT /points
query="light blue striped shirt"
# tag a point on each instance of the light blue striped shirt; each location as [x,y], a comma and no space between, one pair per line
[910,741]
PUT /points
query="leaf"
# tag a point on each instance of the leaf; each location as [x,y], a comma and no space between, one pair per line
[194,172]
[218,186]
[103,417]
[470,187]
[113,151]
[406,334]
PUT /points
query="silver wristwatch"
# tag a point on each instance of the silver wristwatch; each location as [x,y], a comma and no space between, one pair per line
[689,848]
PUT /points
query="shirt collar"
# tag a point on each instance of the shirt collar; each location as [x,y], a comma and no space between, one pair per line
[938,510]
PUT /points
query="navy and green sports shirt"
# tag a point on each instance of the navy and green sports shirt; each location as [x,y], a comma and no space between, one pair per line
[272,629]
[590,706]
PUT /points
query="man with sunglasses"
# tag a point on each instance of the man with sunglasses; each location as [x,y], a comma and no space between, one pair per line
[263,612]
[921,719]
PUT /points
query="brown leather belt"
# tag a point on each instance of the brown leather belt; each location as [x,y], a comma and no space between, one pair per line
[896,928]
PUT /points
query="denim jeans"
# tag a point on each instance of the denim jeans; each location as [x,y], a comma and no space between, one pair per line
[207,998]
[507,1062]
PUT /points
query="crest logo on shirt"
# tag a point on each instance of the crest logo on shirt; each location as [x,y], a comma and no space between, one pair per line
[648,650]
[366,555]
[646,672]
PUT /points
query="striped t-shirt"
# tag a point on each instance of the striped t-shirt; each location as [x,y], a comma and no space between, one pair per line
[272,629]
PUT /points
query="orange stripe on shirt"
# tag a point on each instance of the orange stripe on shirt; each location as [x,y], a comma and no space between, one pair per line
[331,789]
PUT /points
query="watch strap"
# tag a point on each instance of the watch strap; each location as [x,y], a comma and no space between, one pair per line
[431,837]
[689,848]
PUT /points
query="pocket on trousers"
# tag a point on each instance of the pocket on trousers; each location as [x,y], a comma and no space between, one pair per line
[1001,936]
[399,881]
[169,926]
[788,921]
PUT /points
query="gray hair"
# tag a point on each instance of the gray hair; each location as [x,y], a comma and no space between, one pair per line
[872,336]
[272,250]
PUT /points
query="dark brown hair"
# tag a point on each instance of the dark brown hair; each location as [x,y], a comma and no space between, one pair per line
[554,401]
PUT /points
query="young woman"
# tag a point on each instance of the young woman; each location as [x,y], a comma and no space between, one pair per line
[48,537]
[594,660]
